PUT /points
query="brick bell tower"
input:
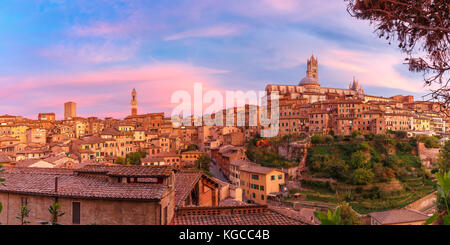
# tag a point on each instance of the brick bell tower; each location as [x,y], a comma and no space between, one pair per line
[134,102]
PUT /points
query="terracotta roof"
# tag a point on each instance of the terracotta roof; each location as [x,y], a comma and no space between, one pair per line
[250,215]
[29,162]
[258,169]
[167,154]
[184,183]
[398,216]
[241,163]
[34,183]
[53,159]
[306,215]
[4,158]
[232,202]
[111,131]
[192,152]
[152,159]
[128,171]
[8,138]
[38,170]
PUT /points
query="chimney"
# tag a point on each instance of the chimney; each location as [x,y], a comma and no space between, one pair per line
[56,184]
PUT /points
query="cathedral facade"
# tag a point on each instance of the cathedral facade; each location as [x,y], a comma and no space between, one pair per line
[310,108]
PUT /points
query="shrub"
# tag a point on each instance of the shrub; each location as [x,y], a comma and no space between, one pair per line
[356,133]
[401,134]
[403,147]
[359,160]
[329,139]
[391,161]
[337,168]
[362,176]
[317,139]
[429,141]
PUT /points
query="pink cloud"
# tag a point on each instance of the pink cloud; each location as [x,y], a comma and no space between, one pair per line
[374,69]
[213,31]
[100,29]
[154,83]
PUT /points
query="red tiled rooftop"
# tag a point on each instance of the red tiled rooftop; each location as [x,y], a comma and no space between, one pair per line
[398,216]
[35,183]
[128,171]
[184,183]
[242,215]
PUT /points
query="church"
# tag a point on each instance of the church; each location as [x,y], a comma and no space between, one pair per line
[310,90]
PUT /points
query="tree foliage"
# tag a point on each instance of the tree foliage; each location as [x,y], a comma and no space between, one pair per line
[444,158]
[362,176]
[359,160]
[443,190]
[133,158]
[330,218]
[202,163]
[348,215]
[23,215]
[55,213]
[419,26]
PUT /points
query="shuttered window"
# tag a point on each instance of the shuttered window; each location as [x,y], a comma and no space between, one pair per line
[76,212]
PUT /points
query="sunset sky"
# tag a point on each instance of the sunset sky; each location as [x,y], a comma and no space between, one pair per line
[95,52]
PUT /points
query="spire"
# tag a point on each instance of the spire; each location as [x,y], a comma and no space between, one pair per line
[134,102]
[312,67]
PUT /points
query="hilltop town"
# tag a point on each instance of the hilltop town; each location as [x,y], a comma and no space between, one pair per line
[144,170]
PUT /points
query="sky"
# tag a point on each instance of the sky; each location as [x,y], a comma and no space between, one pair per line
[94,52]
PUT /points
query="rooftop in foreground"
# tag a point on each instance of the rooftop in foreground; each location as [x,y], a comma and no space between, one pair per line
[236,215]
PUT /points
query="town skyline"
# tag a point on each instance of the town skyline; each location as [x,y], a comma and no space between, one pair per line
[240,51]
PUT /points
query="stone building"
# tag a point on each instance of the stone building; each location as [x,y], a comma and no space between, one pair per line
[103,195]
[70,110]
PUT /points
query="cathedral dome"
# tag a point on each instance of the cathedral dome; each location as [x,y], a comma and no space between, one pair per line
[312,74]
[309,80]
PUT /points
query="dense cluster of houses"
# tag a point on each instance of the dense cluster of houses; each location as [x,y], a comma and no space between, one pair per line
[75,161]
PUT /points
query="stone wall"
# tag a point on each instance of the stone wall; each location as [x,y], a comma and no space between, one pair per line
[423,203]
[427,155]
[100,212]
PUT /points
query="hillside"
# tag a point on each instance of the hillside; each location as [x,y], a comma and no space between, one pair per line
[371,172]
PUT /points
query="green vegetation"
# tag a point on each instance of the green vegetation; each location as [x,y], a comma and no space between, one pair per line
[443,190]
[330,218]
[133,158]
[372,173]
[269,156]
[444,158]
[202,163]
[429,141]
[55,213]
[191,147]
[23,215]
[343,214]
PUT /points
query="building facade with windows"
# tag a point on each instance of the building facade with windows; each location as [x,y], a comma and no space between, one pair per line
[257,182]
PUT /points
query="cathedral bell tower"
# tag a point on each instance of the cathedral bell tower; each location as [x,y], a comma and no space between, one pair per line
[312,68]
[134,103]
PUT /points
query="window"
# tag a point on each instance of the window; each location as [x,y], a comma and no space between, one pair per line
[76,213]
[262,197]
[261,187]
[280,176]
[272,177]
[24,201]
[165,216]
[255,177]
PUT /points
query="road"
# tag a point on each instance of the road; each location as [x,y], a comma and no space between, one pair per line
[215,170]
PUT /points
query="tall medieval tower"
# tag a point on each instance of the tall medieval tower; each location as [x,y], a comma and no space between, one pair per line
[312,68]
[134,103]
